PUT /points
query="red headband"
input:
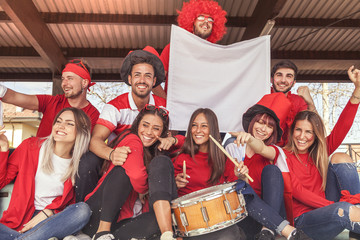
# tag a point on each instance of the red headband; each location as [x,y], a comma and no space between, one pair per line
[78,70]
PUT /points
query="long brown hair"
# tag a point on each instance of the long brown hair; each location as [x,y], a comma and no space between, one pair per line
[152,151]
[216,159]
[318,150]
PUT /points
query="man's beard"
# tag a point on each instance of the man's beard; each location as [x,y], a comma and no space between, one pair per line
[74,95]
[201,34]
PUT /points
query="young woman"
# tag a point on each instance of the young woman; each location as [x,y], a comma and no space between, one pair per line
[206,166]
[317,183]
[40,205]
[118,201]
[263,122]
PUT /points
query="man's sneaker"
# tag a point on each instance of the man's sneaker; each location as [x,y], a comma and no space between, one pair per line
[78,236]
[265,235]
[299,235]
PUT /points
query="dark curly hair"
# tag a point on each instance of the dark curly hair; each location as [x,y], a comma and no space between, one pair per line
[192,9]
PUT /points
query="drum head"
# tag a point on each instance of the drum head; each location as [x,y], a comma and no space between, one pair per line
[204,194]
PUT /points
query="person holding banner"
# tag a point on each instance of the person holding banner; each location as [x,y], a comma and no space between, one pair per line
[324,192]
[263,121]
[206,165]
[204,18]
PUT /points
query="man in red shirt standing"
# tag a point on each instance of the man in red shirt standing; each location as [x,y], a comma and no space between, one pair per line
[204,18]
[75,80]
[283,78]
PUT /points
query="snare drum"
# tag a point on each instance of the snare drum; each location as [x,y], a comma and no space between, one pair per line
[208,210]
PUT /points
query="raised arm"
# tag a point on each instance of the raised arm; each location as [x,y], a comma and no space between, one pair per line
[19,99]
[257,145]
[354,76]
[304,92]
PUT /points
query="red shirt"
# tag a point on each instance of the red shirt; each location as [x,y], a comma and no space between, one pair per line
[256,164]
[199,172]
[164,57]
[51,105]
[118,114]
[305,177]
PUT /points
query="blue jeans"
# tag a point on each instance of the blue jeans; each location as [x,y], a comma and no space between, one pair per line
[71,220]
[327,222]
[263,213]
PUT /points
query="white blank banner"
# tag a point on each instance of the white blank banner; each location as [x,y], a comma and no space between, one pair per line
[227,79]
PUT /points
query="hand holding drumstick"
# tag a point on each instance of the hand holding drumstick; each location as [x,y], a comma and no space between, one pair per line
[240,167]
[180,179]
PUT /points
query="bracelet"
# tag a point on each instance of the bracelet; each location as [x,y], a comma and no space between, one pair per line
[45,213]
[110,154]
[175,140]
[355,96]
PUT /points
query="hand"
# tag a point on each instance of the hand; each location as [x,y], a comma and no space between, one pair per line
[181,181]
[4,143]
[354,75]
[35,220]
[241,170]
[119,155]
[166,143]
[242,138]
[143,197]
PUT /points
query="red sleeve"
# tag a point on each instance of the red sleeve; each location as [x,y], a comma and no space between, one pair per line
[178,165]
[134,165]
[341,127]
[277,152]
[229,174]
[8,169]
[43,102]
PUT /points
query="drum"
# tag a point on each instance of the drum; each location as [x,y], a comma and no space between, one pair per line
[208,210]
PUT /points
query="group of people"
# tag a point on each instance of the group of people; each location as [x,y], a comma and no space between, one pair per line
[113,175]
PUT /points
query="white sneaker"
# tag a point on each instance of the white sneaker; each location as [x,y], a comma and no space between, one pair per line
[70,237]
[168,235]
[108,236]
[79,236]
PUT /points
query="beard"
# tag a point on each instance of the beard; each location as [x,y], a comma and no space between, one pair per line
[283,91]
[74,94]
[141,94]
[200,33]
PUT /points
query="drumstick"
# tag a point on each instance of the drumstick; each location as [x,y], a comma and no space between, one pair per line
[184,169]
[229,156]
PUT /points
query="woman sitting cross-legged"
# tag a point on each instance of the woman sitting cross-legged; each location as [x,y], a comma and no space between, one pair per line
[324,193]
[41,204]
[119,202]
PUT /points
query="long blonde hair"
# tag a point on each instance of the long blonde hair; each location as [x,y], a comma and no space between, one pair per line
[318,150]
[82,126]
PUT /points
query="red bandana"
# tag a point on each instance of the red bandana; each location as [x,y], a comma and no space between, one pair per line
[78,70]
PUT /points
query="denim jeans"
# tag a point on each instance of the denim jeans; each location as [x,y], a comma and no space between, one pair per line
[327,222]
[71,220]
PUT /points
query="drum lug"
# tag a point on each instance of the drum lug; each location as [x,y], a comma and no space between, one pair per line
[205,214]
[184,219]
[227,207]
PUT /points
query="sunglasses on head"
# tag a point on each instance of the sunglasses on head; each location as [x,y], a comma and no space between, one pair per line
[203,18]
[79,63]
[163,111]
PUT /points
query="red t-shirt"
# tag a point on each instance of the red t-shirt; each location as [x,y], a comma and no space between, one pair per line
[51,105]
[199,172]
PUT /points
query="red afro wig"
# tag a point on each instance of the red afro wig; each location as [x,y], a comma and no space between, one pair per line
[192,9]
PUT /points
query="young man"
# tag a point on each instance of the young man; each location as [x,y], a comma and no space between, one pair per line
[75,80]
[283,78]
[142,70]
[204,18]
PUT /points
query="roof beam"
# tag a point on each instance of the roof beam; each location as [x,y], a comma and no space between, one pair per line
[29,22]
[89,18]
[115,77]
[264,10]
[122,52]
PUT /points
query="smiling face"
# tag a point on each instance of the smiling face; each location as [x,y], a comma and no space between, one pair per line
[283,80]
[150,128]
[303,136]
[64,129]
[203,28]
[72,84]
[142,79]
[262,129]
[200,132]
